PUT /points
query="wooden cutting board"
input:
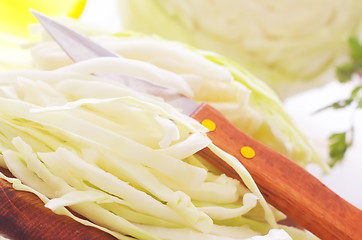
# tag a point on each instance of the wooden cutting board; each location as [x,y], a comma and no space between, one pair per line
[23,216]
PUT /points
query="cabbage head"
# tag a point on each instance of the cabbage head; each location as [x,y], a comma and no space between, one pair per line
[291,45]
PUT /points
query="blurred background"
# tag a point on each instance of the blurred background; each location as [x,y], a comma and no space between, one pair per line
[298,59]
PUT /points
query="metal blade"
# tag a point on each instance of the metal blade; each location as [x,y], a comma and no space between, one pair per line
[75,44]
[79,48]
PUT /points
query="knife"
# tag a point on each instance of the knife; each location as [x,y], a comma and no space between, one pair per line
[284,184]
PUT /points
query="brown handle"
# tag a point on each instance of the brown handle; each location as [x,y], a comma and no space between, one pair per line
[284,184]
[23,216]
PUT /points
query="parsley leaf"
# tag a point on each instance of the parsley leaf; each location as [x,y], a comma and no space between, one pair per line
[339,143]
[344,72]
[355,49]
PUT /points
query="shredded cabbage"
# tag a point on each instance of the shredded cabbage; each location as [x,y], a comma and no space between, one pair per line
[66,135]
[204,76]
[291,45]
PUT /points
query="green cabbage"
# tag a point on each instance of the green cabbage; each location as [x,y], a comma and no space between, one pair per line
[291,45]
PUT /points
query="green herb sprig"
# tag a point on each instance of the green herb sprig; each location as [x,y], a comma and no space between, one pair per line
[340,142]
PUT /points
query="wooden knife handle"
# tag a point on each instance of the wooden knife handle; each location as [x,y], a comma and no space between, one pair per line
[284,184]
[23,216]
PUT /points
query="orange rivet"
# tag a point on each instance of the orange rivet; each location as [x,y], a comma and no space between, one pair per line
[209,124]
[247,152]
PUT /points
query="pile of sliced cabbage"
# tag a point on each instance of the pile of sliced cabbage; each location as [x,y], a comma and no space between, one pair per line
[127,161]
[292,45]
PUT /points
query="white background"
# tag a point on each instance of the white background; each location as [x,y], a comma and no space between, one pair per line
[346,178]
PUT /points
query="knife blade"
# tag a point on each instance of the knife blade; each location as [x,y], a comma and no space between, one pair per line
[284,184]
